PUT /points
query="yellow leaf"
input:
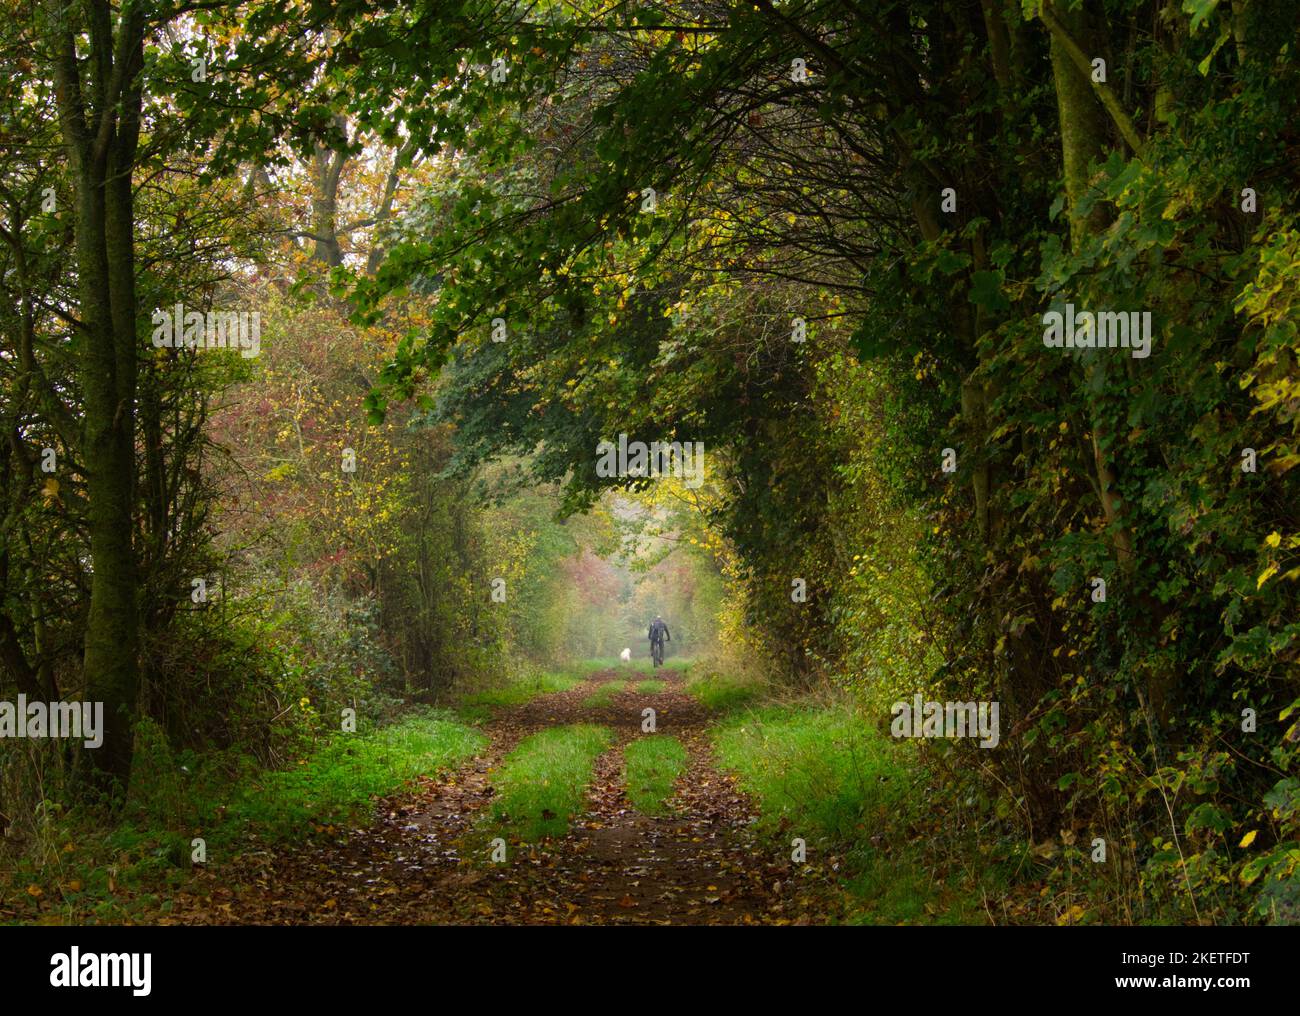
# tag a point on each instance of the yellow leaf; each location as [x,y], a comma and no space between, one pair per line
[1273,539]
[1248,839]
[1265,575]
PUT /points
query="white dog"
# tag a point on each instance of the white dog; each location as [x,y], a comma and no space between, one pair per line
[626,656]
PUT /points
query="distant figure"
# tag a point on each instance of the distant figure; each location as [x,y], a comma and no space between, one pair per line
[626,656]
[658,632]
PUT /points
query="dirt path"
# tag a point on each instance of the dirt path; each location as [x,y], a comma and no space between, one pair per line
[701,864]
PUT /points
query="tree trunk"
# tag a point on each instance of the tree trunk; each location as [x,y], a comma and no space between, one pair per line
[1084,139]
[101,145]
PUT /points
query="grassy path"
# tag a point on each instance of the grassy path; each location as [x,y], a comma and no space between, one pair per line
[551,789]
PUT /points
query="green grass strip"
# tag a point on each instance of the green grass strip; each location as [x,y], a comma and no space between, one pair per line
[820,768]
[723,692]
[651,687]
[836,780]
[654,763]
[479,705]
[604,695]
[337,783]
[541,783]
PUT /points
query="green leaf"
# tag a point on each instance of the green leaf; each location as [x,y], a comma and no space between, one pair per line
[1199,10]
[950,261]
[986,291]
[1252,869]
[1204,65]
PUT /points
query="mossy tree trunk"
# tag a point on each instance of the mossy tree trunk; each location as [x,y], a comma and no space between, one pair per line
[99,102]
